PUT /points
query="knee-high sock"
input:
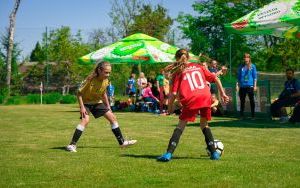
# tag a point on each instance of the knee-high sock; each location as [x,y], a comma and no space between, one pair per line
[209,139]
[174,140]
[117,132]
[78,131]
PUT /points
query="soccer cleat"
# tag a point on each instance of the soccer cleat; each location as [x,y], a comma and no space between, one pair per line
[215,156]
[127,143]
[165,157]
[71,148]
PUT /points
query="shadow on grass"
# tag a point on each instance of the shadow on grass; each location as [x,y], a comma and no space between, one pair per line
[59,148]
[247,123]
[80,147]
[155,156]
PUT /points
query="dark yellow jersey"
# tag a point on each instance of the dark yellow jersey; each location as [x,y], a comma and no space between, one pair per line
[93,90]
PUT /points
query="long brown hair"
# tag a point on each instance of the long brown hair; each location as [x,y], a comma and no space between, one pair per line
[95,72]
[182,57]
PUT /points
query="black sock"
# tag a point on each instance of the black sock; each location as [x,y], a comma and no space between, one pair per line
[174,140]
[76,136]
[118,135]
[209,139]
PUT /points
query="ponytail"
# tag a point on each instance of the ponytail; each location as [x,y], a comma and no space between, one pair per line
[182,57]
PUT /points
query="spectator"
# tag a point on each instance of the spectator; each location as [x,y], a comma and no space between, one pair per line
[148,96]
[216,106]
[131,90]
[142,79]
[110,91]
[160,88]
[288,97]
[213,68]
[246,84]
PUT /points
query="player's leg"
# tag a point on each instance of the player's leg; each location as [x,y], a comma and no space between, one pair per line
[77,133]
[117,131]
[173,142]
[209,139]
[185,116]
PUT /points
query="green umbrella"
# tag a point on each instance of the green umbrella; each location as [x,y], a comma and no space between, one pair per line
[280,18]
[136,48]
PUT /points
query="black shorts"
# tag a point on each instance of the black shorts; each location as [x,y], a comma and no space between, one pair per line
[131,94]
[97,110]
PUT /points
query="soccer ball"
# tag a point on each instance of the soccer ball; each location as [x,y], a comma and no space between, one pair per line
[219,147]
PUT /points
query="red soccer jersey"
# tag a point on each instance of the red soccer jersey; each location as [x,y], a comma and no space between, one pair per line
[192,88]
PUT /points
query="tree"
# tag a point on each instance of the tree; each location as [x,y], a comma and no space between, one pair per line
[38,54]
[12,21]
[122,14]
[62,49]
[154,22]
[99,38]
[207,34]
[14,76]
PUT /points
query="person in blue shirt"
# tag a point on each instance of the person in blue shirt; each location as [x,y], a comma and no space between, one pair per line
[246,83]
[131,90]
[110,90]
[288,97]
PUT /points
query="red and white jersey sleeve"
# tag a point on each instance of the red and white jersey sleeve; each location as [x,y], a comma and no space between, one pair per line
[192,88]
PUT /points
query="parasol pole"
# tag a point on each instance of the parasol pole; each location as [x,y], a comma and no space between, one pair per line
[230,68]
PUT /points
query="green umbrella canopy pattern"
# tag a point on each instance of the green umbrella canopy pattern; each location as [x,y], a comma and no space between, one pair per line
[280,18]
[136,48]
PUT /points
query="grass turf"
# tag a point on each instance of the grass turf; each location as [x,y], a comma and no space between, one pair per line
[260,153]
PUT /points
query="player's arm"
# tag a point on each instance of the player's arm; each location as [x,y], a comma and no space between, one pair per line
[221,90]
[82,89]
[83,111]
[105,100]
[297,87]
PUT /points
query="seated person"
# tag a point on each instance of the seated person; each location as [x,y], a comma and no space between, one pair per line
[288,97]
[147,95]
[296,114]
[216,106]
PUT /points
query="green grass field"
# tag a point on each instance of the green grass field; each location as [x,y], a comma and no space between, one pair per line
[259,153]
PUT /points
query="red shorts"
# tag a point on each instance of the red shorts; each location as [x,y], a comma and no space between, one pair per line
[190,115]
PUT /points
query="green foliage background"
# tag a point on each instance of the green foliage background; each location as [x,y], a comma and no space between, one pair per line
[204,31]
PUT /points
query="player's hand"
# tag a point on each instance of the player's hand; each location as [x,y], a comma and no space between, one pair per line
[224,70]
[225,98]
[254,88]
[83,112]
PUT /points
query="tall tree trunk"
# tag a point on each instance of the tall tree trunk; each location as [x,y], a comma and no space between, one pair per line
[11,32]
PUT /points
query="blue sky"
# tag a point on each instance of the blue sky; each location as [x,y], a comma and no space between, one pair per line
[35,15]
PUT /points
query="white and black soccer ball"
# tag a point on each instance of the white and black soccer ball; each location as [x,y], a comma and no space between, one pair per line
[219,147]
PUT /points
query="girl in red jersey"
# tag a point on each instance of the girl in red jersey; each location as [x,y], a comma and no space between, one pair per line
[189,83]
